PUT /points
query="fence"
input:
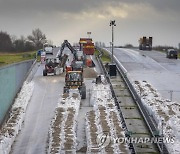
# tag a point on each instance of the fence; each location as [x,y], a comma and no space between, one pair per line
[11,80]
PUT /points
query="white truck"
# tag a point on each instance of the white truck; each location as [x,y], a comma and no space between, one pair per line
[48,50]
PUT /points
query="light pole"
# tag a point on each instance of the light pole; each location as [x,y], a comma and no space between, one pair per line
[112,23]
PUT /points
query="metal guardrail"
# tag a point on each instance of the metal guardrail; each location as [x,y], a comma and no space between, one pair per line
[151,126]
[131,146]
[162,148]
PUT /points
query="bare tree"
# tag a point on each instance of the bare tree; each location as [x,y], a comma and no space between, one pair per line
[128,45]
[5,42]
[29,46]
[13,38]
[50,42]
[38,38]
[19,44]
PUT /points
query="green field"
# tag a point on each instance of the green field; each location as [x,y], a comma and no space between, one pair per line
[105,56]
[10,58]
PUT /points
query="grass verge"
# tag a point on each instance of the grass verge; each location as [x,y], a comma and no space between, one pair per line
[105,56]
[10,58]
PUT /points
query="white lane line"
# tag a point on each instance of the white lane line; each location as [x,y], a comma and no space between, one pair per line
[92,60]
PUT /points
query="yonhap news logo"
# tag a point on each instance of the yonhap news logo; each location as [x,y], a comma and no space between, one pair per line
[104,139]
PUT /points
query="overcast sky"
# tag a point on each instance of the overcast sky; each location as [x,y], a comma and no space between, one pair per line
[72,19]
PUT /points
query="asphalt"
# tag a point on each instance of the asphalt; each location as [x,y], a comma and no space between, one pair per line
[33,138]
[34,134]
[154,67]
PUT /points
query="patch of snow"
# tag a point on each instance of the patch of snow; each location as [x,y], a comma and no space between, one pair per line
[163,111]
[11,129]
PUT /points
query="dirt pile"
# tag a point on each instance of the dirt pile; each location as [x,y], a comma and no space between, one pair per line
[89,73]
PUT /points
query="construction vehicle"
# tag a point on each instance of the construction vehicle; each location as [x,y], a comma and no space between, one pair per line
[66,44]
[74,80]
[145,43]
[77,65]
[51,67]
[77,56]
[89,49]
[63,61]
[87,46]
[80,56]
[171,53]
[83,41]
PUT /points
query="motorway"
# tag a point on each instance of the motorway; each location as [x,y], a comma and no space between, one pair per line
[154,67]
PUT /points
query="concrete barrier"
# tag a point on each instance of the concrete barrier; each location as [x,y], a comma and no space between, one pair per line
[11,79]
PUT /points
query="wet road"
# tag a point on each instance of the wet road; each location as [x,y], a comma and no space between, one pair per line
[34,134]
[33,138]
[154,67]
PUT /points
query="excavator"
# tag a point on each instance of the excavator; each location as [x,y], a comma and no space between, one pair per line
[74,75]
[78,56]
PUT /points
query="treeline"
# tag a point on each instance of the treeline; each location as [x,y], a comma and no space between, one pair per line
[100,44]
[163,48]
[32,42]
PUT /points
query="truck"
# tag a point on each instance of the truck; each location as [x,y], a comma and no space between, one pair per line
[87,46]
[145,43]
[48,50]
[83,41]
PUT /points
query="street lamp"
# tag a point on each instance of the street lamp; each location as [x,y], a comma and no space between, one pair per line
[112,23]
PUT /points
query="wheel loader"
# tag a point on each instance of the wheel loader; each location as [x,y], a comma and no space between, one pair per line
[74,80]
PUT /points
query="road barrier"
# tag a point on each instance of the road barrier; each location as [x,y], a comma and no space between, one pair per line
[149,121]
[11,79]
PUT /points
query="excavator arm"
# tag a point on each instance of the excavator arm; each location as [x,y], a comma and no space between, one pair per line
[66,44]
